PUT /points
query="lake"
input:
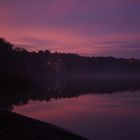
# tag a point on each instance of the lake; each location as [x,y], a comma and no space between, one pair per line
[108,117]
[105,109]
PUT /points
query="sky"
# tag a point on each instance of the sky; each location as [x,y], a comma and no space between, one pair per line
[85,27]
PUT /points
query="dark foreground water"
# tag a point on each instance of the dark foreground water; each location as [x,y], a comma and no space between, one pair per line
[108,117]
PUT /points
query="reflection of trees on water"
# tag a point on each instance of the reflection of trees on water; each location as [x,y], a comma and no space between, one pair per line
[45,90]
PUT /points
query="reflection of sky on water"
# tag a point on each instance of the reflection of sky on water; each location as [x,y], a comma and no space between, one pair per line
[108,117]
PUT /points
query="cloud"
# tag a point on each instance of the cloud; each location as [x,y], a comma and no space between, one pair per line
[77,26]
[38,41]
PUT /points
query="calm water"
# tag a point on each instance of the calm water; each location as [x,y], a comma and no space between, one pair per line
[106,108]
[108,117]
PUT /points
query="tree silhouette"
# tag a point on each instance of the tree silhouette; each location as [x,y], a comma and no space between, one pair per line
[5,46]
[21,63]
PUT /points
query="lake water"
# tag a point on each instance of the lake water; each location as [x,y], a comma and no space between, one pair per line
[103,108]
[101,117]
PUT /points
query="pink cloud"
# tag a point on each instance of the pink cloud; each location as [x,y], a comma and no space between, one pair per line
[71,26]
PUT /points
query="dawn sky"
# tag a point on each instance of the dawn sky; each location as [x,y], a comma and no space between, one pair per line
[86,27]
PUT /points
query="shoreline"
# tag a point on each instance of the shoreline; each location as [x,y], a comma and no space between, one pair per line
[14,127]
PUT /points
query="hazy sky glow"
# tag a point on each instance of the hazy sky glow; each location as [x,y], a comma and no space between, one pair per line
[87,27]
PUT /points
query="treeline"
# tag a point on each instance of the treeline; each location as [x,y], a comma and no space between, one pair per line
[19,62]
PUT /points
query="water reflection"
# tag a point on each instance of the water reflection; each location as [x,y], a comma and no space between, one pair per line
[97,108]
[44,89]
[99,117]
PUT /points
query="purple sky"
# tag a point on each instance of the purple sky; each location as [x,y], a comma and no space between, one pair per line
[86,27]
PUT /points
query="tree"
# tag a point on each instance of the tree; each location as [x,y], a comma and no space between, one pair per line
[5,46]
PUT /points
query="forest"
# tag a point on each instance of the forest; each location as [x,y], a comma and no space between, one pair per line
[16,61]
